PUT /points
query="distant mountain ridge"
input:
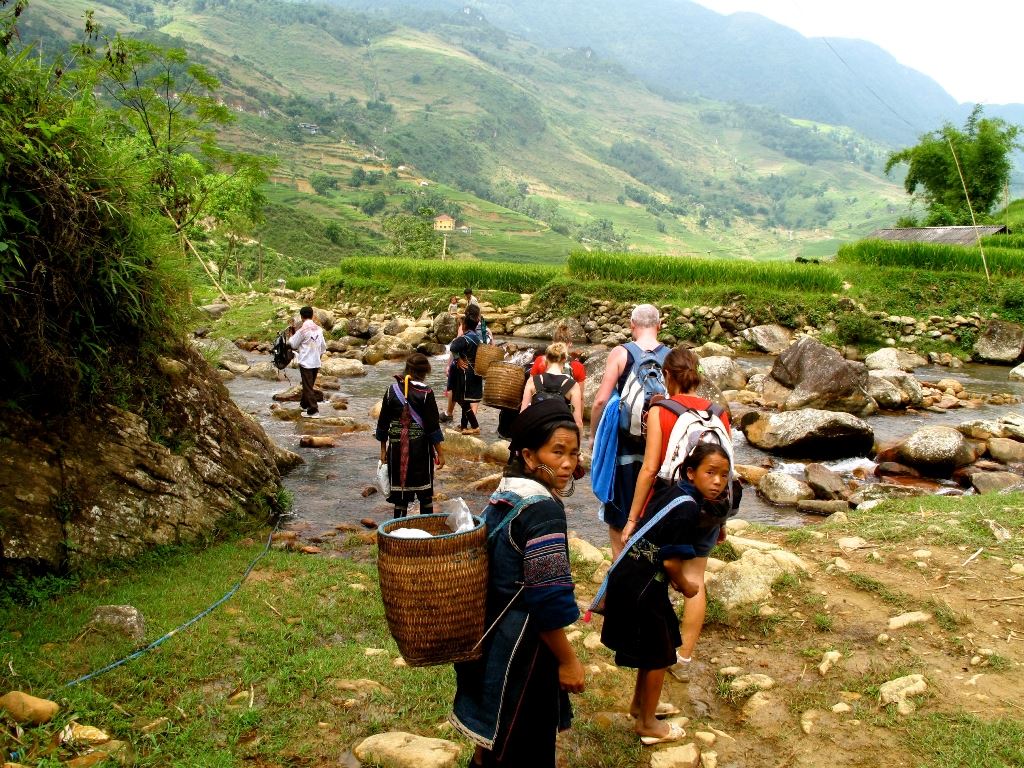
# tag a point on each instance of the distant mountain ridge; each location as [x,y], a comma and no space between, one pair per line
[682,49]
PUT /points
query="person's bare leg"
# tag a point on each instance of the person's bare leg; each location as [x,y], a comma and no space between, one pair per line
[649,683]
[615,537]
[634,705]
[693,607]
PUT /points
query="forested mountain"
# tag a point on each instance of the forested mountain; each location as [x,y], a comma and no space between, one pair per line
[565,138]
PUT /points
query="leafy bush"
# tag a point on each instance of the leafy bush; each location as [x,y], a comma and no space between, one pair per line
[857,328]
[83,258]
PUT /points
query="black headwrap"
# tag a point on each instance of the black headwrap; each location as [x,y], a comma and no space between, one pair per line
[536,419]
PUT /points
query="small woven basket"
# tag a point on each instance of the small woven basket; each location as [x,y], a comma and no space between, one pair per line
[487,354]
[504,385]
[434,590]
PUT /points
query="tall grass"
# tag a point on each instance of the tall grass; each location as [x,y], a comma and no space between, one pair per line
[952,258]
[669,270]
[457,275]
[1004,241]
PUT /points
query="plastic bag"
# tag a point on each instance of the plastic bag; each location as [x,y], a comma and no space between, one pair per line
[409,533]
[460,519]
[382,479]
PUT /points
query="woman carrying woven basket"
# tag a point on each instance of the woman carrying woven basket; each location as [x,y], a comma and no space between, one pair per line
[410,437]
[512,702]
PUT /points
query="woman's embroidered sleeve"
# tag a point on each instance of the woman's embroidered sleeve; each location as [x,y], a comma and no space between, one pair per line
[548,589]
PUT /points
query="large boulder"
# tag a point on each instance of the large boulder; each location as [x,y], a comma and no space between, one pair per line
[386,348]
[713,349]
[891,358]
[810,432]
[546,330]
[445,328]
[1010,426]
[98,486]
[772,339]
[783,489]
[413,336]
[825,483]
[936,450]
[820,377]
[1006,451]
[1017,374]
[893,388]
[723,372]
[995,482]
[396,325]
[359,327]
[1001,342]
[341,367]
[749,579]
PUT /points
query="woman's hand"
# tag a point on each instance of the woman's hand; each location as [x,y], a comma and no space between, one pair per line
[439,459]
[627,531]
[570,676]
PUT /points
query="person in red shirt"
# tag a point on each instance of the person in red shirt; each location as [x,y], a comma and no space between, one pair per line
[540,363]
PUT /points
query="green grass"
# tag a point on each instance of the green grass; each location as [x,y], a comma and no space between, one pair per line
[823,622]
[965,741]
[702,271]
[952,258]
[253,319]
[434,274]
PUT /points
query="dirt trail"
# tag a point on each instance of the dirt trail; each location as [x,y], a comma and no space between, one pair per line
[969,653]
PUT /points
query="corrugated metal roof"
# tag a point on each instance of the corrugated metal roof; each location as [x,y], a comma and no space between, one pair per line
[943,235]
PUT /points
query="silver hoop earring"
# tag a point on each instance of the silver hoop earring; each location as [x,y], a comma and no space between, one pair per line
[566,492]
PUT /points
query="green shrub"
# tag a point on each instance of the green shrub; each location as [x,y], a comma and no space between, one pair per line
[857,328]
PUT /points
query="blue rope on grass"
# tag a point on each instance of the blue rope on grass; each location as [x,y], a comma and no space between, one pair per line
[160,640]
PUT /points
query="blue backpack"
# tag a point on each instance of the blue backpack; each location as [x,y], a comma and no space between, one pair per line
[645,380]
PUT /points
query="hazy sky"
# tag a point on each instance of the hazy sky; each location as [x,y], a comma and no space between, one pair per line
[970,47]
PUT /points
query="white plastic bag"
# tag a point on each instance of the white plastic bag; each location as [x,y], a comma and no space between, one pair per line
[382,480]
[460,519]
[409,533]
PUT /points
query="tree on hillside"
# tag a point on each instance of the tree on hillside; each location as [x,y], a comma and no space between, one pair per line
[983,149]
[411,236]
[168,109]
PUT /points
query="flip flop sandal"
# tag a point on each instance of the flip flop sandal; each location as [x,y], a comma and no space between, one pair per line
[675,733]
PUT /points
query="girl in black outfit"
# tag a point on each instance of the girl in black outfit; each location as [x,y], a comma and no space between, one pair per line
[467,386]
[410,437]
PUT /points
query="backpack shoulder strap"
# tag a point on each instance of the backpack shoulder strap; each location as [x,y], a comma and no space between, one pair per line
[538,383]
[518,507]
[670,405]
[567,386]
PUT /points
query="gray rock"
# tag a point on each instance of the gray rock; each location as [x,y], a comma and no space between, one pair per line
[881,491]
[712,349]
[1001,342]
[360,327]
[396,325]
[936,450]
[890,358]
[785,490]
[123,620]
[825,483]
[1017,374]
[1006,451]
[823,508]
[546,330]
[263,369]
[772,339]
[386,348]
[1009,426]
[342,367]
[821,378]
[215,310]
[810,432]
[723,372]
[893,388]
[994,482]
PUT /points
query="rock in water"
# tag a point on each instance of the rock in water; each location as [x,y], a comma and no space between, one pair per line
[407,750]
[819,377]
[783,489]
[892,358]
[827,434]
[28,710]
[825,483]
[723,372]
[1001,342]
[773,339]
[936,450]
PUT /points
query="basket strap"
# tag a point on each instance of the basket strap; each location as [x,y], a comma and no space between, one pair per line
[516,509]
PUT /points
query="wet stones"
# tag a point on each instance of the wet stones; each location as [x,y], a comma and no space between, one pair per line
[784,489]
[809,432]
[936,450]
[1001,342]
[819,377]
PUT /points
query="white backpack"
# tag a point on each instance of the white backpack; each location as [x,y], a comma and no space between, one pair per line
[692,427]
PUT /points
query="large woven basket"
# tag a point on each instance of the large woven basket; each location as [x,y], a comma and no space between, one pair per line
[504,385]
[434,590]
[486,354]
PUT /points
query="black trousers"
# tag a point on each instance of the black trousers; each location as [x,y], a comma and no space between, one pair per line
[308,401]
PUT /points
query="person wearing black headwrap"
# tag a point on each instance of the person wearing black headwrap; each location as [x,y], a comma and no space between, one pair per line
[512,701]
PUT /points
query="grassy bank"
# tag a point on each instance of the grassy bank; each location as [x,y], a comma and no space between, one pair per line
[264,679]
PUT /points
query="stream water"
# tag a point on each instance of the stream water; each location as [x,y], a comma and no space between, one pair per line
[327,487]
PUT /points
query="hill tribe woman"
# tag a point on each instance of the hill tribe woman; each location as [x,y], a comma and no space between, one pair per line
[410,437]
[466,386]
[513,701]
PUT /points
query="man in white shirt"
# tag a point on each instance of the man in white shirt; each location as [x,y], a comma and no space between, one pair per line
[470,298]
[309,343]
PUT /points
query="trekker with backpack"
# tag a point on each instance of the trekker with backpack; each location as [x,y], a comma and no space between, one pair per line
[676,427]
[308,341]
[410,437]
[555,383]
[466,386]
[632,376]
